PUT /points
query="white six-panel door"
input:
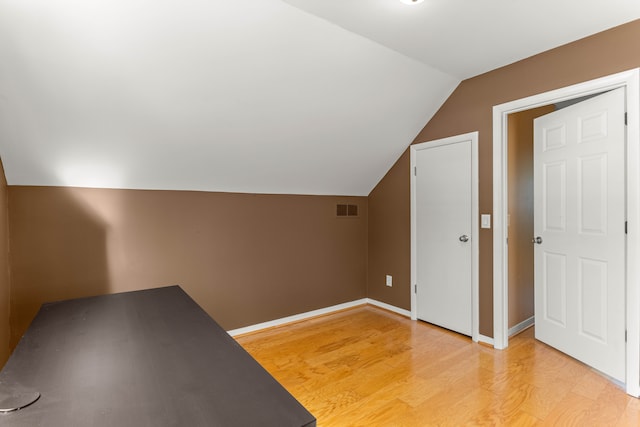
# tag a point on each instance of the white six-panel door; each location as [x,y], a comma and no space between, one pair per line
[443,209]
[579,181]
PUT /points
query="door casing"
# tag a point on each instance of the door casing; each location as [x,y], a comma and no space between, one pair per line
[630,80]
[473,138]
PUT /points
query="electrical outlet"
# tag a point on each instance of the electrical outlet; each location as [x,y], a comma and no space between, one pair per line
[389,281]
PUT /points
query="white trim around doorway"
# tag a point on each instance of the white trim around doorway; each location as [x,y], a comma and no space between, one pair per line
[630,80]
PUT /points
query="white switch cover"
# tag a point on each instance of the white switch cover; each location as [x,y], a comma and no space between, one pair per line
[389,280]
[485,221]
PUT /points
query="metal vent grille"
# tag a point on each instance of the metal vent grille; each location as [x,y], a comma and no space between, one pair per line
[344,210]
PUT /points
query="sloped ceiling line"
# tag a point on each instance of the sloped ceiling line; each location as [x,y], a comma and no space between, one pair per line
[258,96]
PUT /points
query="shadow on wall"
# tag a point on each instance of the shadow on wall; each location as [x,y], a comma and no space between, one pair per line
[244,258]
[58,251]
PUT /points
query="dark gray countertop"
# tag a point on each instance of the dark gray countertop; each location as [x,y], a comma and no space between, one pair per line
[145,358]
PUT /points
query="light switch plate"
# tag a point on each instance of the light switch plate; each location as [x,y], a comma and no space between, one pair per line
[389,281]
[485,221]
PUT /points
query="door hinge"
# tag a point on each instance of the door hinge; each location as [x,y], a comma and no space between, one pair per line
[625,336]
[415,288]
[625,227]
[415,171]
[625,118]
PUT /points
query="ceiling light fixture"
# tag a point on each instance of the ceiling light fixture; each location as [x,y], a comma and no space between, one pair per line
[411,1]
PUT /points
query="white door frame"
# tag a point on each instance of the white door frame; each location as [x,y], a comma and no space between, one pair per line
[631,81]
[475,306]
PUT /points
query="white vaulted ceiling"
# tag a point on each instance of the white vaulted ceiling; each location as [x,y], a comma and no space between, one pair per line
[465,38]
[264,96]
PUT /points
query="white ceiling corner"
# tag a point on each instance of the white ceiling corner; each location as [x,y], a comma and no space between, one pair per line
[465,38]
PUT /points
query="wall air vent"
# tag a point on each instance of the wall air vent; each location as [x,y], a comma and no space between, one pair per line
[343,210]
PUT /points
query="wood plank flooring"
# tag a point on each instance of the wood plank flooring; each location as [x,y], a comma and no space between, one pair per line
[369,367]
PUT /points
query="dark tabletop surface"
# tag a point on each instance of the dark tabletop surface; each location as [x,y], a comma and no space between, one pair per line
[145,358]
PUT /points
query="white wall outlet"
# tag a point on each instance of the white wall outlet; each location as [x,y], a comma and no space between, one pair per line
[389,281]
[485,220]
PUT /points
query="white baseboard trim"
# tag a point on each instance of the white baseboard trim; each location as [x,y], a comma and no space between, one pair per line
[296,317]
[389,307]
[334,308]
[486,340]
[316,313]
[527,323]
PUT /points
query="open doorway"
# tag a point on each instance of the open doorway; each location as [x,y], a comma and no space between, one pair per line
[629,80]
[520,212]
[520,217]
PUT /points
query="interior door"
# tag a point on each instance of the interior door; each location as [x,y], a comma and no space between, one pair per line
[579,223]
[443,235]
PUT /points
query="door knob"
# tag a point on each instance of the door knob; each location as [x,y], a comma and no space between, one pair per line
[537,240]
[463,238]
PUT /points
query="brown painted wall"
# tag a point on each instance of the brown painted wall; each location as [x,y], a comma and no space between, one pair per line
[469,108]
[389,237]
[244,258]
[520,211]
[5,291]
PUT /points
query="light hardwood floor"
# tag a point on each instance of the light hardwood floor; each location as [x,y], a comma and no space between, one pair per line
[369,367]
